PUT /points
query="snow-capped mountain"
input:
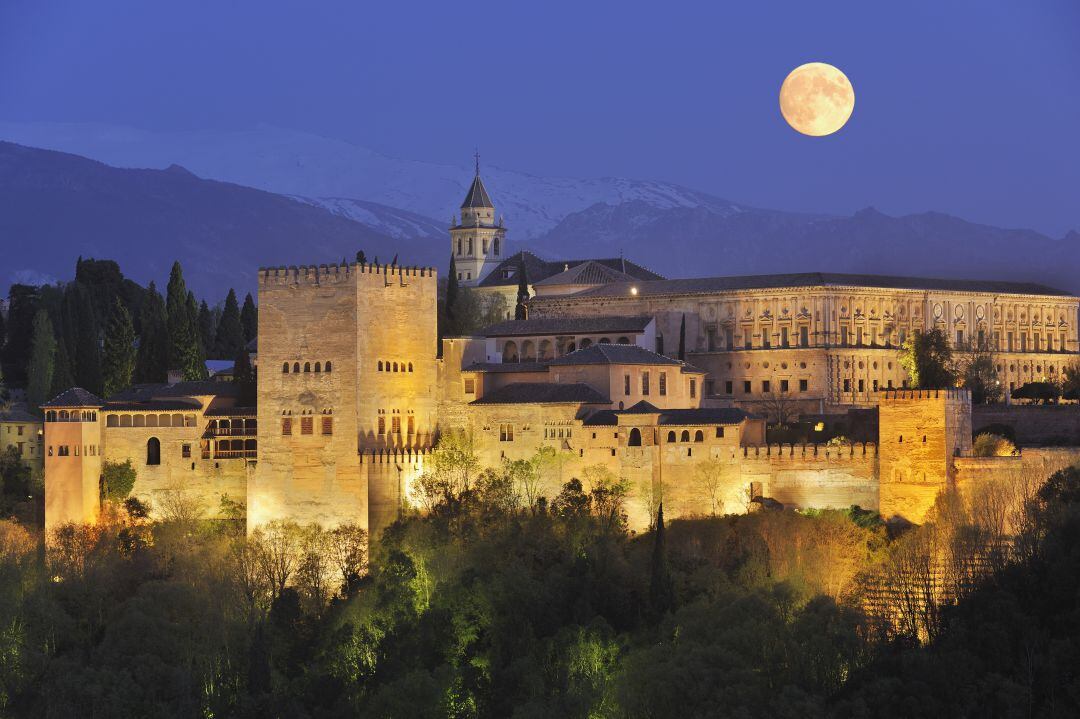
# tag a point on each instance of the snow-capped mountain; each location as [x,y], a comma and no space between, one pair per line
[325,170]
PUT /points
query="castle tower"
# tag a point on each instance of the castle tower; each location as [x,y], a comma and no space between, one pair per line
[919,433]
[347,371]
[478,241]
[72,458]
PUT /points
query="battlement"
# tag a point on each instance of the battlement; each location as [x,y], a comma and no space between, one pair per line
[851,452]
[908,395]
[390,456]
[315,275]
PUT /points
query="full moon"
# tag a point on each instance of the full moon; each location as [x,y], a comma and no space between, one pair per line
[816,99]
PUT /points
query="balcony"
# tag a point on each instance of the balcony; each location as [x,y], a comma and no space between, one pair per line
[234,431]
[234,454]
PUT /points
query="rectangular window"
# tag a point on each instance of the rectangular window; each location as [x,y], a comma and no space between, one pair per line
[286,426]
[783,337]
[729,338]
[1009,341]
[728,389]
[765,339]
[804,336]
[847,385]
[746,387]
[765,386]
[1023,342]
[783,385]
[185,451]
[412,425]
[626,385]
[980,339]
[1035,341]
[747,341]
[693,388]
[875,385]
[803,385]
[20,430]
[719,432]
[1064,344]
[470,386]
[382,425]
[506,433]
[959,338]
[663,384]
[307,425]
[645,384]
[858,336]
[395,424]
[327,425]
[843,335]
[710,338]
[707,388]
[862,385]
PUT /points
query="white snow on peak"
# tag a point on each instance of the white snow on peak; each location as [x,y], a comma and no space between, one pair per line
[346,178]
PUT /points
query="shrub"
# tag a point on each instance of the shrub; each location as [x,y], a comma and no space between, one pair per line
[117,480]
[993,445]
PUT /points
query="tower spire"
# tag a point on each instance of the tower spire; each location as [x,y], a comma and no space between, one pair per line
[476,156]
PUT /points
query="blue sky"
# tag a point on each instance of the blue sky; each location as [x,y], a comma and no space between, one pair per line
[965,107]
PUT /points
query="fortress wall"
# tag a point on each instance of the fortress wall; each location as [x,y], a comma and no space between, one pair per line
[198,480]
[395,473]
[1033,425]
[814,476]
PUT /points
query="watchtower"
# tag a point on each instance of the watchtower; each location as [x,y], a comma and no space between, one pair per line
[72,458]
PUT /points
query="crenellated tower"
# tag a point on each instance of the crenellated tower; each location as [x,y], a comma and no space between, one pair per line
[478,240]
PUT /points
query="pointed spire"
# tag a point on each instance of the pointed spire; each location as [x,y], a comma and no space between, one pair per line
[477,156]
[478,196]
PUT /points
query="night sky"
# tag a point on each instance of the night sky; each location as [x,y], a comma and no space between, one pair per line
[971,108]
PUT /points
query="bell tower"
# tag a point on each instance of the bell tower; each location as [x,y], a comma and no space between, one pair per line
[478,241]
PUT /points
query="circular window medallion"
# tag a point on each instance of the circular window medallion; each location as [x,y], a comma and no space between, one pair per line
[959,312]
[860,364]
[980,312]
[802,365]
[937,311]
[765,364]
[846,364]
[783,365]
[875,365]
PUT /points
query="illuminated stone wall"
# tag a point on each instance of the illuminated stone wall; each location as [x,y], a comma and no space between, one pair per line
[72,470]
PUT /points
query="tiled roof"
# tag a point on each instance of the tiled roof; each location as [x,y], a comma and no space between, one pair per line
[231,412]
[537,270]
[501,367]
[613,354]
[18,414]
[543,393]
[672,417]
[196,388]
[154,405]
[75,397]
[567,326]
[478,195]
[589,272]
[706,285]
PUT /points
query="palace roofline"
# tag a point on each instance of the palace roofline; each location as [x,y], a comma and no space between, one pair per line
[708,285]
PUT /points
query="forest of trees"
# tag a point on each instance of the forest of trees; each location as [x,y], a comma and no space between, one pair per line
[497,602]
[103,332]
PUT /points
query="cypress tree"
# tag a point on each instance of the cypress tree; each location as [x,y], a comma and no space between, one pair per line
[3,332]
[200,351]
[682,339]
[24,304]
[42,358]
[521,312]
[230,331]
[207,328]
[249,318]
[244,377]
[661,588]
[452,291]
[86,351]
[183,339]
[151,361]
[62,377]
[119,360]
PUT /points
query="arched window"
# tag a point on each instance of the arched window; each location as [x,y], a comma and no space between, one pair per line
[510,351]
[528,351]
[623,341]
[111,420]
[586,343]
[635,438]
[605,341]
[571,348]
[50,416]
[395,366]
[64,415]
[545,350]
[327,367]
[670,436]
[318,367]
[380,365]
[138,421]
[296,367]
[459,246]
[153,451]
[699,436]
[163,420]
[151,420]
[495,246]
[410,366]
[285,368]
[685,435]
[125,420]
[307,366]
